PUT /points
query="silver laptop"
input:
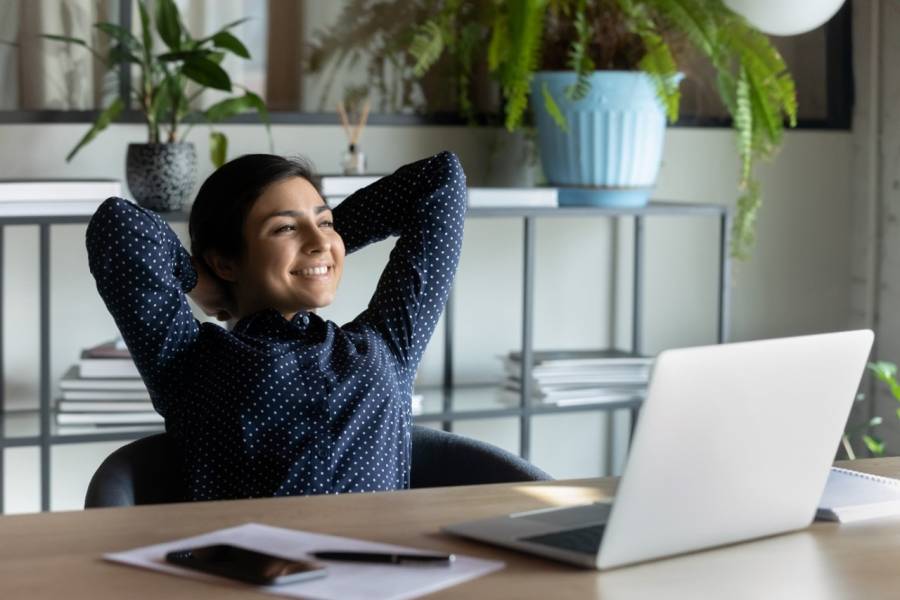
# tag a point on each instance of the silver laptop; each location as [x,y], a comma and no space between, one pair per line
[734,442]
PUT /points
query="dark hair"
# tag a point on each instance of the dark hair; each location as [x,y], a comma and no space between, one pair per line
[226,197]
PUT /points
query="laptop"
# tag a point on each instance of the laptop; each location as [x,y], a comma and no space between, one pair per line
[734,442]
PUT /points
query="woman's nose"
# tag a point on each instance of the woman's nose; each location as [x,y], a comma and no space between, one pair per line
[317,242]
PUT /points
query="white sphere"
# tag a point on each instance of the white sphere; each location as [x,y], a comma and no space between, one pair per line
[785,17]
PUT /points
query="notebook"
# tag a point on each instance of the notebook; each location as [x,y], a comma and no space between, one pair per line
[854,496]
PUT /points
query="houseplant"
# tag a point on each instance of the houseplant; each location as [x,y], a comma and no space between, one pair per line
[525,41]
[161,173]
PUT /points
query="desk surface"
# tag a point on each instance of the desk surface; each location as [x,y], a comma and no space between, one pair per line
[57,555]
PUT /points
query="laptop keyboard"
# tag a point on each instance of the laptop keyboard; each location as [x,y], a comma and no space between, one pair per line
[584,539]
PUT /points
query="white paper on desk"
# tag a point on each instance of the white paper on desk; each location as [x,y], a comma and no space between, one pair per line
[345,580]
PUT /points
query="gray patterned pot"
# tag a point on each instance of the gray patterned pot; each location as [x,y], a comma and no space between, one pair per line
[161,176]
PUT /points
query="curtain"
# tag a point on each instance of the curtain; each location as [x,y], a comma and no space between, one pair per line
[42,74]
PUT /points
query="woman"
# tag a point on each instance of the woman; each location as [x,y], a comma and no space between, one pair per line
[285,403]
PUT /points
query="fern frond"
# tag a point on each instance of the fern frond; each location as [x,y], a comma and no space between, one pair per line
[660,66]
[553,110]
[766,117]
[743,125]
[499,44]
[526,19]
[426,47]
[743,230]
[694,19]
[579,60]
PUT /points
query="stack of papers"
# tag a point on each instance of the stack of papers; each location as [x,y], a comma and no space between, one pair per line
[854,496]
[344,581]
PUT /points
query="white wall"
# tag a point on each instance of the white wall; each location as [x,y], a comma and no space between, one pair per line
[796,282]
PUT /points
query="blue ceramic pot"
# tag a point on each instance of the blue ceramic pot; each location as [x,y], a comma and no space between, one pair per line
[611,154]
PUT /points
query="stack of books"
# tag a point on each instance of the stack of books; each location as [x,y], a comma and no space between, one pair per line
[104,390]
[34,197]
[572,377]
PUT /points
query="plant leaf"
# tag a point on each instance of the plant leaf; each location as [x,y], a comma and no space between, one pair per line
[206,73]
[168,23]
[218,148]
[184,55]
[119,33]
[109,114]
[263,112]
[146,31]
[227,108]
[227,41]
[426,47]
[64,38]
[875,445]
[553,110]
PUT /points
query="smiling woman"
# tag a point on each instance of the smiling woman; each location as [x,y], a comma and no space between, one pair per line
[263,235]
[284,403]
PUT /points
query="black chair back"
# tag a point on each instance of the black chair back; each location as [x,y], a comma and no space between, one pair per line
[145,471]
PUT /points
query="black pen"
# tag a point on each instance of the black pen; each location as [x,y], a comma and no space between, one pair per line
[385,557]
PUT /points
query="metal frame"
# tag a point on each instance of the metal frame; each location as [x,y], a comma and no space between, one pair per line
[525,411]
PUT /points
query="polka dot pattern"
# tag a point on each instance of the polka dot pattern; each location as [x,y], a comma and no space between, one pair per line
[277,407]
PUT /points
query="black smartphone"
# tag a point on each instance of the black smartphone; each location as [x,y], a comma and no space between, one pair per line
[246,565]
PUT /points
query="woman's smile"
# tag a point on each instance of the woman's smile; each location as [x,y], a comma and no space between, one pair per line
[320,272]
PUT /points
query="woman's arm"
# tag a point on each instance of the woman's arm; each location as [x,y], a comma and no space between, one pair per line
[143,273]
[425,204]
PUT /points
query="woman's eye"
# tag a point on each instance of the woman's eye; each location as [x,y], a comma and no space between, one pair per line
[285,228]
[326,224]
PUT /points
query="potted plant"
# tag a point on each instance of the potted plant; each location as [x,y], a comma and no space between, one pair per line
[161,173]
[602,77]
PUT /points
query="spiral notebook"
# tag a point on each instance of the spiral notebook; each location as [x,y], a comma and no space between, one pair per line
[854,496]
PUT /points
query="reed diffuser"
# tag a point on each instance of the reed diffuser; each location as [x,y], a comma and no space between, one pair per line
[353,161]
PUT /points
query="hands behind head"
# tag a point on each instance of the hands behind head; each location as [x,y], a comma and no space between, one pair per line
[209,293]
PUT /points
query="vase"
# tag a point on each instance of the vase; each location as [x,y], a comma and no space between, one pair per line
[161,176]
[611,153]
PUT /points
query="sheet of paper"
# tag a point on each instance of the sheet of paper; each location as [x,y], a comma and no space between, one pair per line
[345,580]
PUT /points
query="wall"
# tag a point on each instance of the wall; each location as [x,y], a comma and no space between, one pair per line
[796,282]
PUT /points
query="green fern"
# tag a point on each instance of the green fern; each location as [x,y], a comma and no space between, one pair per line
[751,76]
[426,47]
[579,61]
[525,33]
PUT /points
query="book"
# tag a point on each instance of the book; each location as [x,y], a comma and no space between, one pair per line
[119,418]
[106,395]
[484,197]
[106,367]
[112,349]
[107,406]
[71,381]
[344,185]
[58,190]
[579,358]
[52,208]
[854,496]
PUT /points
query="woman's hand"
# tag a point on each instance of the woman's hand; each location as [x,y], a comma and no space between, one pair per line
[209,293]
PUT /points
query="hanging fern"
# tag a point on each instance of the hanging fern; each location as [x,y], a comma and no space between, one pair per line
[519,37]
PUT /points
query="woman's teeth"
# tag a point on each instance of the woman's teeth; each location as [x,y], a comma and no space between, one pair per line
[314,271]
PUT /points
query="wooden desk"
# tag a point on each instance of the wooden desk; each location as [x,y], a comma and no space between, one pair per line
[57,555]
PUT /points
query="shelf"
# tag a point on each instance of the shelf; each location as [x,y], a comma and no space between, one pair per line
[22,428]
[470,402]
[484,401]
[655,208]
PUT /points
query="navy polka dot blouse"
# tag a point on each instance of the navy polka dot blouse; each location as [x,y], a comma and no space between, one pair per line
[277,407]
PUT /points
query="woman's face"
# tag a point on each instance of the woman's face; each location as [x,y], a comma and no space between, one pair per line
[293,258]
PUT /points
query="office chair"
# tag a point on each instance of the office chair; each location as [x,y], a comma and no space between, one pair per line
[141,472]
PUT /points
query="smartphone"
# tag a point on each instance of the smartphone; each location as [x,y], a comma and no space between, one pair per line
[246,565]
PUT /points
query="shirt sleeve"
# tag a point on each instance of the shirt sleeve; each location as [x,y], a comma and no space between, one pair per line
[424,203]
[143,273]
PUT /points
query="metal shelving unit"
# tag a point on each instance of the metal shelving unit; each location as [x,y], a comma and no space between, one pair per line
[41,432]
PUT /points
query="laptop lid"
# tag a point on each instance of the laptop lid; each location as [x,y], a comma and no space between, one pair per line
[734,442]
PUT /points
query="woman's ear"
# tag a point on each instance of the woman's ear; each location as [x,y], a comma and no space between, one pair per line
[224,268]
